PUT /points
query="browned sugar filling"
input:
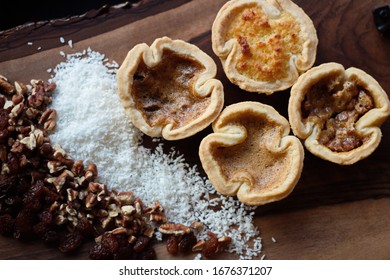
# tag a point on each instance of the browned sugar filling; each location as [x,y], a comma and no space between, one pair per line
[263,167]
[165,93]
[335,106]
[266,45]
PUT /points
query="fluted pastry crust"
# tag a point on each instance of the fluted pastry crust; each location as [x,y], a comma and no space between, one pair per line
[338,112]
[264,45]
[251,154]
[169,89]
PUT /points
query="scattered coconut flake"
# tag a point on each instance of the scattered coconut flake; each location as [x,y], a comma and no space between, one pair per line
[39,48]
[62,53]
[86,87]
[273,239]
[70,43]
[29,43]
[62,40]
[49,70]
[156,139]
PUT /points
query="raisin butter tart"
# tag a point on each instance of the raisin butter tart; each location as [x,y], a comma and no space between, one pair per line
[168,89]
[338,112]
[264,45]
[251,154]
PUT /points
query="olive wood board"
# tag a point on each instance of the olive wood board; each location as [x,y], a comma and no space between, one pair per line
[335,212]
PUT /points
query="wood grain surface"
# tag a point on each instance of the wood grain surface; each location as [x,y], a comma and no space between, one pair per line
[335,212]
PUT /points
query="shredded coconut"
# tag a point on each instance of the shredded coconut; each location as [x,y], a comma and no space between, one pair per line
[70,43]
[93,126]
[62,40]
[29,43]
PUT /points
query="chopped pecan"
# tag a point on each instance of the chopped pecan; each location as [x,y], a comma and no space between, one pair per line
[176,229]
[30,142]
[125,198]
[119,230]
[198,247]
[127,210]
[91,173]
[196,225]
[16,110]
[17,99]
[90,200]
[5,86]
[72,194]
[78,168]
[20,88]
[55,166]
[48,119]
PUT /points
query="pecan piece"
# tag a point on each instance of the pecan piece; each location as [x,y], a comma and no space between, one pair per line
[5,86]
[91,173]
[176,229]
[20,88]
[48,119]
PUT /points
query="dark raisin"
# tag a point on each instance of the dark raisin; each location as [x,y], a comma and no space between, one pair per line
[13,163]
[110,243]
[7,183]
[13,204]
[35,161]
[24,223]
[173,244]
[71,242]
[210,247]
[123,240]
[45,217]
[23,186]
[124,253]
[51,237]
[46,150]
[141,243]
[187,242]
[36,191]
[2,101]
[41,228]
[50,196]
[85,228]
[4,135]
[98,252]
[6,225]
[3,119]
[147,254]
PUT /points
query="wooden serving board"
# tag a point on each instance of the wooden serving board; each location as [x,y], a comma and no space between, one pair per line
[335,212]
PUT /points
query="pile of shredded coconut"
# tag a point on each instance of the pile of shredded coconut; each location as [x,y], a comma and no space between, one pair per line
[93,126]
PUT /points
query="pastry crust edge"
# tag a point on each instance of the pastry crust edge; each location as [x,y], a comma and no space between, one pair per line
[369,124]
[230,135]
[205,85]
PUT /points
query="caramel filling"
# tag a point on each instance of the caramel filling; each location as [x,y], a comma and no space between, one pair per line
[266,45]
[335,106]
[261,166]
[165,93]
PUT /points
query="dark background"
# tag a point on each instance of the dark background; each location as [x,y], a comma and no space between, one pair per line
[14,13]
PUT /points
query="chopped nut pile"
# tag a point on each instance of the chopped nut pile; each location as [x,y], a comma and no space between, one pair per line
[46,194]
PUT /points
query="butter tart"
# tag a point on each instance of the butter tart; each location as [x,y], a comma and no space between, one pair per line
[264,45]
[168,89]
[251,154]
[338,112]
